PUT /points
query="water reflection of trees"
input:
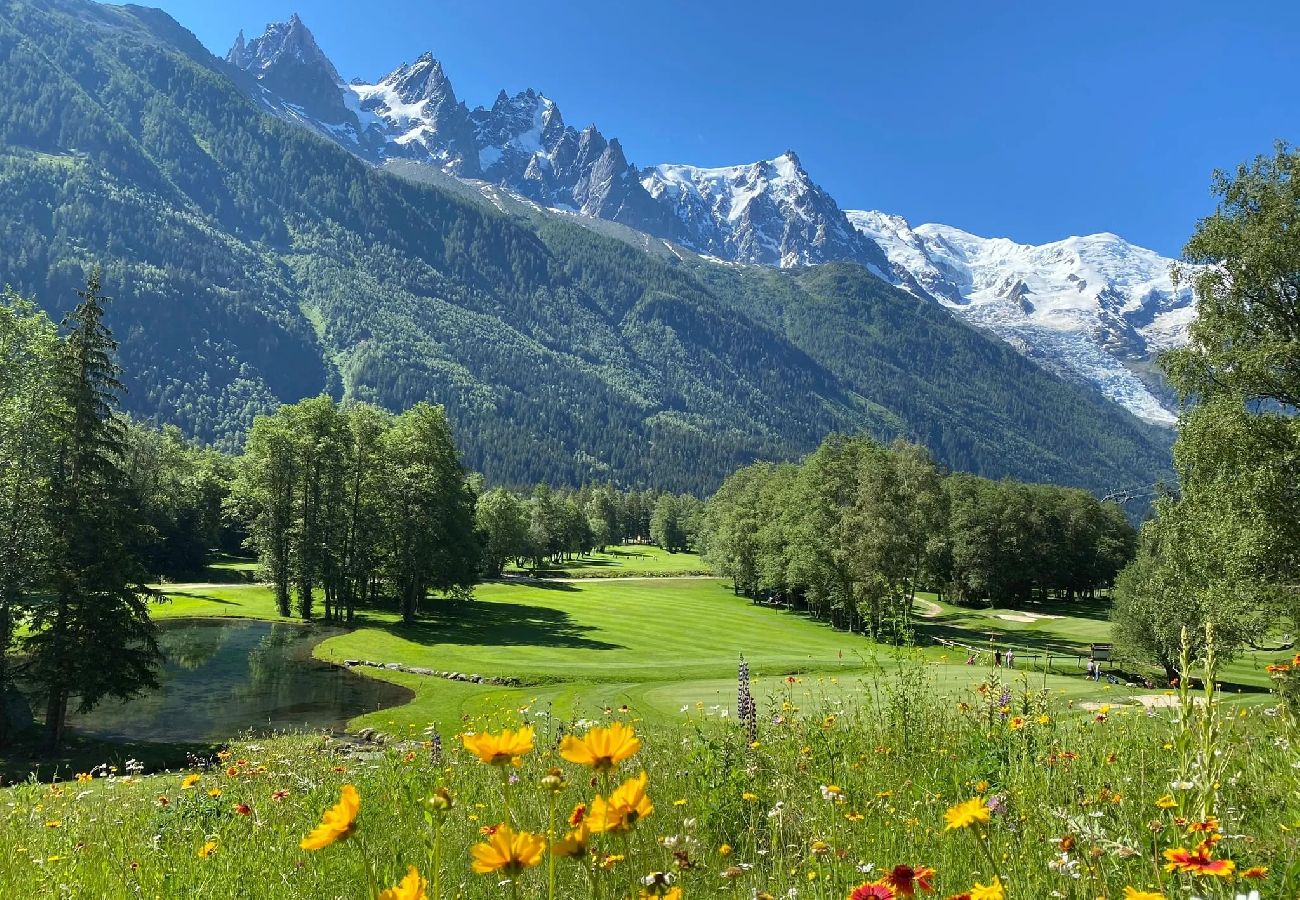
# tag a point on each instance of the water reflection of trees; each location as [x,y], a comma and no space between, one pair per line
[267,661]
[191,646]
[227,676]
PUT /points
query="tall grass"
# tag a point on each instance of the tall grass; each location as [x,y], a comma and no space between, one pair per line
[835,789]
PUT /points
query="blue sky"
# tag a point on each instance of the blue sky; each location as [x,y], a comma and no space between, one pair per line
[1031,120]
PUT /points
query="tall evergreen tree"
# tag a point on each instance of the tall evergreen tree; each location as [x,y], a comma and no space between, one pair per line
[28,411]
[96,599]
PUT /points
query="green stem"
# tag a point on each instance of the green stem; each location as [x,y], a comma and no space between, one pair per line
[437,861]
[505,792]
[550,861]
[983,841]
[371,879]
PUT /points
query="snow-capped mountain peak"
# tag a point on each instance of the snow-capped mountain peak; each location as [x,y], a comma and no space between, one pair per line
[1094,308]
[769,212]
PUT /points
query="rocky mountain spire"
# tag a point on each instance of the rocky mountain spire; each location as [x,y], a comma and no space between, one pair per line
[291,67]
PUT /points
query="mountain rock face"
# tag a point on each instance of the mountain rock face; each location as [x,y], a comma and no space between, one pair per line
[415,109]
[295,78]
[768,212]
[1094,309]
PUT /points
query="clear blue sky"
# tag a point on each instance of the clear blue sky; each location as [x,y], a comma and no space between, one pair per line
[1032,120]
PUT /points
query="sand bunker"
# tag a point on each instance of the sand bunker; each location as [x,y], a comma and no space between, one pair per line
[1028,618]
[1150,701]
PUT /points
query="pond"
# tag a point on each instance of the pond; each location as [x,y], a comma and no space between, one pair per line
[226,677]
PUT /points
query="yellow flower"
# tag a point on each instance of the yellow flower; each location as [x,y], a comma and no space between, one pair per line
[749,797]
[964,815]
[601,748]
[207,850]
[84,777]
[1166,802]
[338,822]
[508,851]
[1132,893]
[412,887]
[1043,720]
[500,749]
[54,823]
[673,893]
[189,781]
[574,844]
[626,805]
[1016,723]
[215,792]
[991,891]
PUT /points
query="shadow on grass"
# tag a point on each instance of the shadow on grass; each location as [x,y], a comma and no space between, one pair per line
[191,595]
[497,625]
[1097,610]
[977,635]
[27,758]
[545,584]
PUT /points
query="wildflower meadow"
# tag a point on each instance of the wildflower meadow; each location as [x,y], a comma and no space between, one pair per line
[895,788]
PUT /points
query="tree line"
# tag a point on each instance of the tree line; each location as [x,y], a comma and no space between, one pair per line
[857,529]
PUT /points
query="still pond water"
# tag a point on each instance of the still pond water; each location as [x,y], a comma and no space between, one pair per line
[226,677]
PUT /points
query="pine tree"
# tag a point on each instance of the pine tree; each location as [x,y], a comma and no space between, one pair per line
[28,411]
[96,599]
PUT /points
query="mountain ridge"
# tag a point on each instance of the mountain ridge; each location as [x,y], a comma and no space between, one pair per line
[768,212]
[255,262]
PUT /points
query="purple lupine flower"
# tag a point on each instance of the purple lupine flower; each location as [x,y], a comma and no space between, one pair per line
[746,709]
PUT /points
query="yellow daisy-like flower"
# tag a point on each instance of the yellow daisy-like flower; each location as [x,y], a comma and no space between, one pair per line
[412,887]
[1132,893]
[500,749]
[84,777]
[207,850]
[189,781]
[601,748]
[338,822]
[626,806]
[1166,802]
[966,814]
[672,893]
[1016,723]
[573,845]
[507,851]
[991,891]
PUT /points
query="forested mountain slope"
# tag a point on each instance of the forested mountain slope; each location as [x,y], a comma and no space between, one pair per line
[255,262]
